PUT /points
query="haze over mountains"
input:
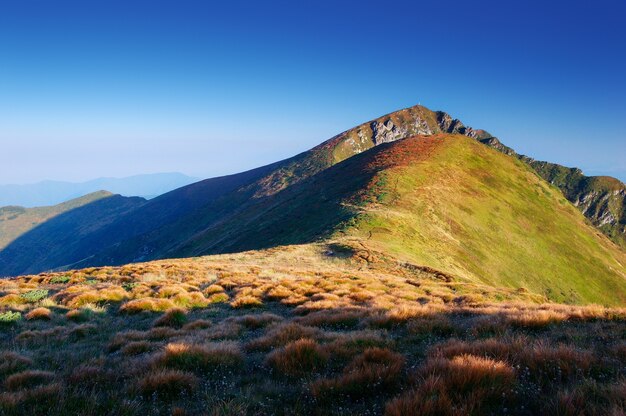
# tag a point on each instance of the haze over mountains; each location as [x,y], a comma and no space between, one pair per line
[47,193]
[415,184]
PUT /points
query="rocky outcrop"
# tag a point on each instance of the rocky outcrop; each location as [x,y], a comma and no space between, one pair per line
[385,131]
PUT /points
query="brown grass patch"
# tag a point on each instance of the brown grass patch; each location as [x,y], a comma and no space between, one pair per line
[175,317]
[28,379]
[203,357]
[281,334]
[39,313]
[11,362]
[463,385]
[197,324]
[138,347]
[298,358]
[374,370]
[168,384]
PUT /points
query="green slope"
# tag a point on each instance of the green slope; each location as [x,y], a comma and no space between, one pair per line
[443,201]
[473,212]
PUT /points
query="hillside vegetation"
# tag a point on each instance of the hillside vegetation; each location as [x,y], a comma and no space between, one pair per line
[324,329]
[16,220]
[452,204]
[210,216]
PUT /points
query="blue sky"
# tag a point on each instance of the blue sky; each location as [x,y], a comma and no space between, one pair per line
[115,88]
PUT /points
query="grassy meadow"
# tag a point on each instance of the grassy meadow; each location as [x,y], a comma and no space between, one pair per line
[321,329]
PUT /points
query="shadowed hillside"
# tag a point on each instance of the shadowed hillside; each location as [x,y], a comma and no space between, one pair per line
[16,220]
[67,236]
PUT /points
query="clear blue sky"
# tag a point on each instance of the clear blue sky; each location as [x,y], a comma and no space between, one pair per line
[114,88]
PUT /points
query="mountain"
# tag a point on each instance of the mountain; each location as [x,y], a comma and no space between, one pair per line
[415,184]
[16,220]
[66,234]
[602,199]
[49,193]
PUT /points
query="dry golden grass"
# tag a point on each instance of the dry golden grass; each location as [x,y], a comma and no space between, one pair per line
[147,304]
[39,313]
[291,331]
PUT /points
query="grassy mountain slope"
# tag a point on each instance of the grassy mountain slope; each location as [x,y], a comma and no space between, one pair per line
[468,210]
[246,210]
[16,220]
[66,236]
[602,199]
[46,247]
[443,201]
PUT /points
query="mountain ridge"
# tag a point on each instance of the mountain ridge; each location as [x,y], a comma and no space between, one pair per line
[303,199]
[50,192]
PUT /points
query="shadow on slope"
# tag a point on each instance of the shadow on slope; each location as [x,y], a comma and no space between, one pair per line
[81,234]
[60,237]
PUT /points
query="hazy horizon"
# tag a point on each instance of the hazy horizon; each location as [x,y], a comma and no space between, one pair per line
[114,89]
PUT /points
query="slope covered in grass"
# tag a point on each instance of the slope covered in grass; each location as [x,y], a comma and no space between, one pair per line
[471,211]
[16,220]
[300,330]
[442,201]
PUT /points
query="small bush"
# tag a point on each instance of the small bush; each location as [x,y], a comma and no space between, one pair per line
[11,362]
[373,370]
[168,384]
[9,317]
[198,324]
[137,347]
[28,379]
[466,384]
[39,313]
[33,296]
[213,289]
[201,357]
[298,358]
[278,336]
[258,321]
[147,304]
[60,279]
[175,317]
[78,315]
[246,301]
[218,298]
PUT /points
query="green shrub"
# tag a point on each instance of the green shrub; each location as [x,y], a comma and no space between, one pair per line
[34,295]
[60,279]
[129,286]
[9,317]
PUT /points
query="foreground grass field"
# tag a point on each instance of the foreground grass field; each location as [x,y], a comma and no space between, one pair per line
[315,329]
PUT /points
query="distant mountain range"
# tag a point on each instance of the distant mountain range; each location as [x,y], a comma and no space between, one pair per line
[415,184]
[48,193]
